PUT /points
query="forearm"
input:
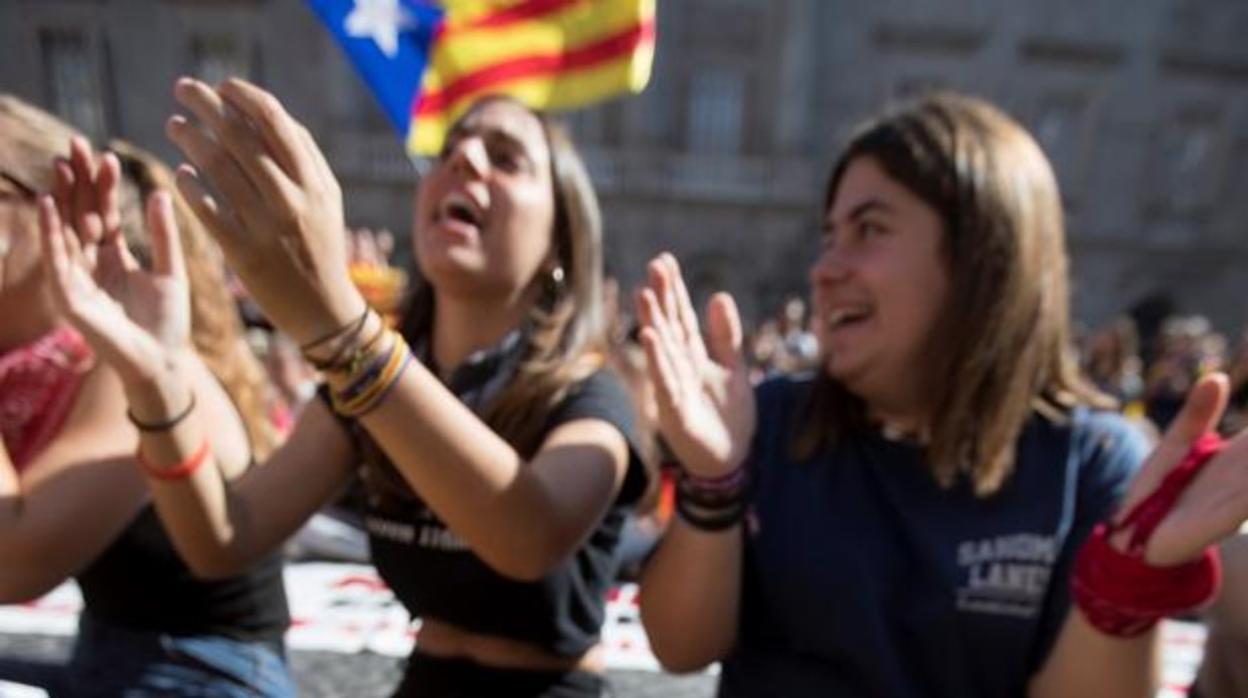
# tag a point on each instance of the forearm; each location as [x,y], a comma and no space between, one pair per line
[1087,662]
[10,490]
[202,519]
[467,474]
[690,596]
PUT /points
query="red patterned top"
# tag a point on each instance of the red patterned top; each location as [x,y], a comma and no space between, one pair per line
[38,383]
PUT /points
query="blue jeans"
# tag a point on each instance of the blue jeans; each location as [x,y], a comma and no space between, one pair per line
[109,660]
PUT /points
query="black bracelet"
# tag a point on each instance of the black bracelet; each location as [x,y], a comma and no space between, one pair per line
[165,425]
[354,327]
[711,519]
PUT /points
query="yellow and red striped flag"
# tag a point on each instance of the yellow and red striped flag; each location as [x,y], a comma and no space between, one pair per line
[549,54]
[428,62]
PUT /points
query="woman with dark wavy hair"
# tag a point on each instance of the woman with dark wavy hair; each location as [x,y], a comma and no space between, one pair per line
[922,516]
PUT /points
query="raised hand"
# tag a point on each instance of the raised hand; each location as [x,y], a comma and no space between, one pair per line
[133,318]
[277,209]
[1216,503]
[706,403]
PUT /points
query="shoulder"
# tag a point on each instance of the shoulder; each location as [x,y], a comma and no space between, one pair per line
[784,393]
[602,396]
[599,395]
[1100,435]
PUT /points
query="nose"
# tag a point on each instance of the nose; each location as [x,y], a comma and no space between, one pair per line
[831,266]
[469,158]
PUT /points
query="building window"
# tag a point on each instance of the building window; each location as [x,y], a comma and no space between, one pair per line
[213,59]
[72,65]
[1059,127]
[716,98]
[1188,167]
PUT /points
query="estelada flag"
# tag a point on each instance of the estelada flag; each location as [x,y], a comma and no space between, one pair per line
[428,62]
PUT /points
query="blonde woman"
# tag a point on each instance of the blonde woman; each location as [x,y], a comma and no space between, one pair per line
[71,502]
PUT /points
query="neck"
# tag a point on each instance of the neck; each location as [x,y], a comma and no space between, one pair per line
[901,413]
[28,316]
[462,327]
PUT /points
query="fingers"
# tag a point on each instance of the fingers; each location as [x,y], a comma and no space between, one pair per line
[656,341]
[1200,414]
[167,257]
[233,131]
[220,220]
[724,327]
[106,195]
[60,253]
[223,173]
[87,220]
[275,125]
[686,317]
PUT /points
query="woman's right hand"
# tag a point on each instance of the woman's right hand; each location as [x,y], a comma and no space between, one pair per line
[706,402]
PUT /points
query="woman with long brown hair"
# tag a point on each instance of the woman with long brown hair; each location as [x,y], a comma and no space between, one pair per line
[916,517]
[497,451]
[71,502]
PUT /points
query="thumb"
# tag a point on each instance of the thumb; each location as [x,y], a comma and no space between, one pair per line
[166,242]
[724,330]
[1202,410]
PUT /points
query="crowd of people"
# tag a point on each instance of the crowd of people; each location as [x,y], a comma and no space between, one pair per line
[916,488]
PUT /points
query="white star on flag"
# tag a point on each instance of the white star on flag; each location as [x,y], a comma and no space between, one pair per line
[379,20]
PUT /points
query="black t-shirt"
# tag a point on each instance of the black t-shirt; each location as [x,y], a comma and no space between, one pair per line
[434,573]
[864,578]
[141,582]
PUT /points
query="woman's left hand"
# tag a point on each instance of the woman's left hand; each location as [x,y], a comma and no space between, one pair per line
[277,212]
[1216,503]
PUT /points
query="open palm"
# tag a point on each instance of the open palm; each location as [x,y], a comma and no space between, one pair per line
[129,314]
[706,404]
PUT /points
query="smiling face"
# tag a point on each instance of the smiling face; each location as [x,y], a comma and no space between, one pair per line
[879,285]
[485,212]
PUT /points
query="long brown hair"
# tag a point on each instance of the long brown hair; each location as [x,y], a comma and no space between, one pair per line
[216,329]
[566,336]
[1002,346]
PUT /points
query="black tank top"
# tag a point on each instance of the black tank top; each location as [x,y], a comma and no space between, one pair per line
[140,582]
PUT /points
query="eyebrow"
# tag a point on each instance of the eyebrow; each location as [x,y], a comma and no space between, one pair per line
[23,188]
[861,210]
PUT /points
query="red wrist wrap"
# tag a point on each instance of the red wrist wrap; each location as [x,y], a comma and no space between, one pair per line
[1122,595]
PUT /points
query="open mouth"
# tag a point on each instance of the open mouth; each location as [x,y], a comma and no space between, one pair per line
[841,318]
[460,208]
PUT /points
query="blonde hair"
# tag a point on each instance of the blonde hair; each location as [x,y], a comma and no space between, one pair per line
[216,329]
[1002,347]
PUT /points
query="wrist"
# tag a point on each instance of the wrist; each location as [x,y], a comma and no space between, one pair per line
[161,389]
[340,312]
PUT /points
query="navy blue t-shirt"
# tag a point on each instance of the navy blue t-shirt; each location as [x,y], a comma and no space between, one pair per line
[864,578]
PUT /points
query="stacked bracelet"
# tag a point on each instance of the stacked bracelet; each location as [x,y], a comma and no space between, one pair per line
[373,378]
[712,504]
[347,335]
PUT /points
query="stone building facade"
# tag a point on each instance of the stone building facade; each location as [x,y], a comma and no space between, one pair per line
[1141,104]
